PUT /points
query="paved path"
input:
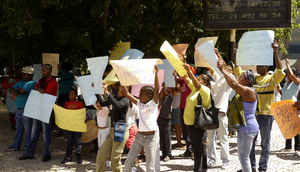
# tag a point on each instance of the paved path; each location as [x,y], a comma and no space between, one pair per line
[279,161]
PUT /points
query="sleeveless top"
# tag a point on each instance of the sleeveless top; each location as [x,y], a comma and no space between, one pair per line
[249,112]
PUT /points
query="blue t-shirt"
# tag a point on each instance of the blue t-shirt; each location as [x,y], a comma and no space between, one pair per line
[22,98]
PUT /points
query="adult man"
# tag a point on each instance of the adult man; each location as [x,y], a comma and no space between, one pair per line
[46,85]
[21,90]
[265,88]
[220,92]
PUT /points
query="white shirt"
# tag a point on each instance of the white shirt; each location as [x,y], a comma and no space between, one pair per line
[148,114]
[131,115]
[220,91]
[176,101]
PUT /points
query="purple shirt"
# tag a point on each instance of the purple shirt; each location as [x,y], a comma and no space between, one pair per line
[249,112]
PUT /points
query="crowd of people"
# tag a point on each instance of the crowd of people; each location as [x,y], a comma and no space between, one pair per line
[143,125]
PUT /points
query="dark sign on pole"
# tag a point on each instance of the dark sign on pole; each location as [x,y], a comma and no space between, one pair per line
[244,14]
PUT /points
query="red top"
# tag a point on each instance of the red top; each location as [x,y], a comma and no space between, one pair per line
[185,90]
[74,105]
[48,84]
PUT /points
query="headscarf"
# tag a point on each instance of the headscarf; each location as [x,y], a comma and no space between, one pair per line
[250,76]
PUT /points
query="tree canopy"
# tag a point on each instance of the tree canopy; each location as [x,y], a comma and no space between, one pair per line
[79,29]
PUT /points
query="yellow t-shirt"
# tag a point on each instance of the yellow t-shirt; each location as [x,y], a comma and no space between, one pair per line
[265,88]
[192,100]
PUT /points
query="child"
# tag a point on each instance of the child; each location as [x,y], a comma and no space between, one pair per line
[148,132]
[73,138]
[176,114]
[131,117]
[164,123]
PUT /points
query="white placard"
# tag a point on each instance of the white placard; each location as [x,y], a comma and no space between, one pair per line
[97,67]
[255,48]
[132,54]
[39,106]
[207,50]
[37,72]
[169,79]
[136,71]
[85,84]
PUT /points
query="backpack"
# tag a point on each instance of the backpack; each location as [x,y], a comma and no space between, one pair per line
[235,112]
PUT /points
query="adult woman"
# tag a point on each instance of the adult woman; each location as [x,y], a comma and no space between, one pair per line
[197,136]
[246,134]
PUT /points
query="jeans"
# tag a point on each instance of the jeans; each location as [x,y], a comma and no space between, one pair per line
[28,131]
[165,136]
[19,130]
[198,139]
[245,141]
[288,143]
[222,132]
[150,143]
[265,123]
[37,127]
[111,150]
[73,138]
[185,133]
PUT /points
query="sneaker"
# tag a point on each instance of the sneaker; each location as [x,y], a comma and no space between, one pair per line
[225,166]
[211,164]
[186,154]
[46,158]
[78,159]
[66,160]
[25,157]
[12,149]
[166,159]
[297,153]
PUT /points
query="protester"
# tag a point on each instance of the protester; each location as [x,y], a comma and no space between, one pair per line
[21,90]
[148,134]
[290,91]
[176,115]
[265,87]
[246,134]
[164,122]
[197,136]
[112,147]
[65,82]
[73,138]
[132,116]
[220,91]
[46,85]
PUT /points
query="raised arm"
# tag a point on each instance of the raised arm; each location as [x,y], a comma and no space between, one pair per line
[195,81]
[156,86]
[130,96]
[246,93]
[291,73]
[276,54]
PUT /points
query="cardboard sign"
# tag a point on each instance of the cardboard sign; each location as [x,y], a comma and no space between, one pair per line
[119,50]
[169,79]
[97,67]
[287,118]
[71,120]
[255,48]
[53,59]
[85,84]
[172,56]
[136,71]
[198,57]
[132,54]
[39,106]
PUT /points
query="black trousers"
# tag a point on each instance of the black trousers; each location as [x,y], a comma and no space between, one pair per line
[185,132]
[288,143]
[165,136]
[198,139]
[73,138]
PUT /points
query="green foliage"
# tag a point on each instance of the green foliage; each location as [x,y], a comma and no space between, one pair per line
[78,29]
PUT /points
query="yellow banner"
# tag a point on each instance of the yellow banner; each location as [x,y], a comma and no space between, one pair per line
[119,50]
[287,118]
[173,58]
[71,120]
[111,78]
